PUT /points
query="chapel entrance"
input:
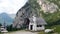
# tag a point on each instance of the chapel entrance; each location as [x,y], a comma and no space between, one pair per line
[31,27]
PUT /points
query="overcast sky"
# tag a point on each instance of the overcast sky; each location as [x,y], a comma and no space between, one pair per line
[11,6]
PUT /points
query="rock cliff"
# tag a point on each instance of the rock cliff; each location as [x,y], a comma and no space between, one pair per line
[22,13]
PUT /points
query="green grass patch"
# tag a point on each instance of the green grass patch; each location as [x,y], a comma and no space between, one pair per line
[57,28]
[1,33]
[41,32]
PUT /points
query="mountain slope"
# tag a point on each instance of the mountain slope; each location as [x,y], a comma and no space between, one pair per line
[5,17]
[12,16]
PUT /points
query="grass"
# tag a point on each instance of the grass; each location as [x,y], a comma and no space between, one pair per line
[1,33]
[42,32]
[57,28]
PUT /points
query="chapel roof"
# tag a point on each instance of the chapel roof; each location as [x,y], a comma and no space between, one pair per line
[39,21]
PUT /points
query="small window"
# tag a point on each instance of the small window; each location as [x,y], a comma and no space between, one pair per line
[39,25]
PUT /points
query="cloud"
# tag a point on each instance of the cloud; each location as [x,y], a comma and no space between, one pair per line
[11,6]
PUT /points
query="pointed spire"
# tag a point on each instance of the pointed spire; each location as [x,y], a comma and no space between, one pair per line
[4,24]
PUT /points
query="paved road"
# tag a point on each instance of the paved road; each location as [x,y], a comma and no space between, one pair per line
[22,32]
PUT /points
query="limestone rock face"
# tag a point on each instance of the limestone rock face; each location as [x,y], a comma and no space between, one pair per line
[22,13]
[46,6]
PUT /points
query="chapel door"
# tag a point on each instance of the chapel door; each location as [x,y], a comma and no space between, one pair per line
[31,27]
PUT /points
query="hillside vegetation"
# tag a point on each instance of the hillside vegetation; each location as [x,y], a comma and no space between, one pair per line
[54,18]
[51,18]
[35,7]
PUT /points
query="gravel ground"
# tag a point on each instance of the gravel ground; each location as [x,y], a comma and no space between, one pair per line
[22,32]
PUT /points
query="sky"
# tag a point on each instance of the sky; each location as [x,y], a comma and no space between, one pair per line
[11,6]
